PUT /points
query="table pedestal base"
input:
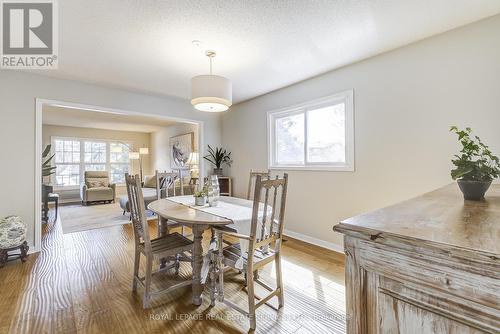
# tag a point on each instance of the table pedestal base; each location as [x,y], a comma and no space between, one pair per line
[198,263]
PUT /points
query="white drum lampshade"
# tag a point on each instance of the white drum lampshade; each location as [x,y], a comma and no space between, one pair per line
[211,93]
[143,150]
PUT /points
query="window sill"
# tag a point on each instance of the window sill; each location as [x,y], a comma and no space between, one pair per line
[65,188]
[72,188]
[314,168]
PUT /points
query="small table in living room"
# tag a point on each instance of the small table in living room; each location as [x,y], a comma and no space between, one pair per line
[49,196]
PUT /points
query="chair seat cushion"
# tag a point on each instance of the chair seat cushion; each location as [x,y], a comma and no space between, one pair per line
[100,190]
[12,232]
[99,194]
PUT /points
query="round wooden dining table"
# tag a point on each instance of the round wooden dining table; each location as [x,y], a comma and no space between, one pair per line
[198,221]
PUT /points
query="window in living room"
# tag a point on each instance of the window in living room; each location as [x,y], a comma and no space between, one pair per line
[67,160]
[73,156]
[119,161]
[318,135]
[95,156]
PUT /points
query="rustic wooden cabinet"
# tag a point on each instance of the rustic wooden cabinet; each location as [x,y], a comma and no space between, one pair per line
[427,265]
[225,186]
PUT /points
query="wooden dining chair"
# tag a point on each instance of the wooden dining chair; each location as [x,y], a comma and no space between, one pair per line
[165,187]
[264,247]
[168,246]
[251,180]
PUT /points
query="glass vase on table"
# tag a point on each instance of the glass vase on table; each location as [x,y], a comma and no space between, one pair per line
[213,191]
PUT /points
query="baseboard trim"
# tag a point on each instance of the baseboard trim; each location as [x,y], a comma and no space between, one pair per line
[314,241]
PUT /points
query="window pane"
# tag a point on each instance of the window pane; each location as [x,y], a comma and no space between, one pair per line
[290,139]
[95,152]
[326,134]
[68,157]
[67,151]
[95,167]
[99,157]
[67,175]
[59,157]
[118,153]
[118,173]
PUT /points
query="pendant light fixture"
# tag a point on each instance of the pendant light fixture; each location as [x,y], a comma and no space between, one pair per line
[210,92]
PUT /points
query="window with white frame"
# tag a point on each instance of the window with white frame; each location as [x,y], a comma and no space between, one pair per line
[67,161]
[74,156]
[95,155]
[119,162]
[317,135]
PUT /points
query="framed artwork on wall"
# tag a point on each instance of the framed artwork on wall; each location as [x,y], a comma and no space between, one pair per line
[181,147]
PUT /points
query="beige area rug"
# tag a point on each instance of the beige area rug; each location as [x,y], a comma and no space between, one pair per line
[76,218]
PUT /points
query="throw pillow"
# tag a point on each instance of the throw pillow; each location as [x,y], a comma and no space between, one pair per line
[97,182]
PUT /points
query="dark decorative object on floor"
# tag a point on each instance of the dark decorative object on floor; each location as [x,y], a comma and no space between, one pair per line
[218,157]
[475,165]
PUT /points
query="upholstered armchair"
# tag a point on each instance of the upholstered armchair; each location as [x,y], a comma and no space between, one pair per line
[96,188]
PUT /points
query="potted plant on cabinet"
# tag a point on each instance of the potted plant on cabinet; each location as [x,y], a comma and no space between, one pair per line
[475,165]
[218,157]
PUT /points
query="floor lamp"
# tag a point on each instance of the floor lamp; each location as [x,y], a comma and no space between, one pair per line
[142,151]
[133,156]
[194,160]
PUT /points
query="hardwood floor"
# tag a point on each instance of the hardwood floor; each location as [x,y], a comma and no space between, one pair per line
[81,283]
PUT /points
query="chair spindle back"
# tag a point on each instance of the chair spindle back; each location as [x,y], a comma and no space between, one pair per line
[165,183]
[268,208]
[252,179]
[137,210]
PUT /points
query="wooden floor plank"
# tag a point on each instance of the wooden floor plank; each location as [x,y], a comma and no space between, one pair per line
[81,283]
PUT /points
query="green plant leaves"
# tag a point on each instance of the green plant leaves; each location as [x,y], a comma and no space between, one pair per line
[47,168]
[218,156]
[475,161]
[46,151]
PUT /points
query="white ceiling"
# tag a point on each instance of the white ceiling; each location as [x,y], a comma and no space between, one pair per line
[53,115]
[262,45]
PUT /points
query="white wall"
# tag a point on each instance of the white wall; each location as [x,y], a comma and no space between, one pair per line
[405,101]
[18,91]
[160,143]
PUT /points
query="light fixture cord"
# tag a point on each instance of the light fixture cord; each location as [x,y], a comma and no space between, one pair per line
[211,65]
